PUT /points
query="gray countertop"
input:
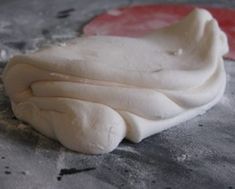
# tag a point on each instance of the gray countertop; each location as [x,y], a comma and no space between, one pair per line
[199,153]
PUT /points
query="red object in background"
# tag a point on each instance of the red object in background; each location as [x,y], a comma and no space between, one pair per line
[138,20]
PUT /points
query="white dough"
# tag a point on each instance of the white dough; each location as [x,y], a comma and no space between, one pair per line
[94,91]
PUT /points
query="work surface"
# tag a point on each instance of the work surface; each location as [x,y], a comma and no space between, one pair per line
[199,153]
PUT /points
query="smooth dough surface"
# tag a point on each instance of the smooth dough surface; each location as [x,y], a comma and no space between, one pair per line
[92,92]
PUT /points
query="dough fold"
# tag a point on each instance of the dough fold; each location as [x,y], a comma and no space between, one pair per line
[92,92]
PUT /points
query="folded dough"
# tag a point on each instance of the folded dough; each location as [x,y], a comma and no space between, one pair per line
[94,91]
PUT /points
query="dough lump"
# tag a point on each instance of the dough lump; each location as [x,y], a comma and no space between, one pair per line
[94,91]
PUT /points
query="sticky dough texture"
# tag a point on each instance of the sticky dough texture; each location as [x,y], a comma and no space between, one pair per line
[94,91]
